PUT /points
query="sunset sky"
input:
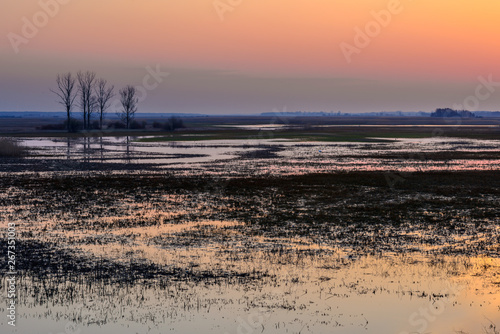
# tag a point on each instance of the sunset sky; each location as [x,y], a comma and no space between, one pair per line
[255,56]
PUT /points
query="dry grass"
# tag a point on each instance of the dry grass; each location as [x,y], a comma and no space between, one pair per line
[10,148]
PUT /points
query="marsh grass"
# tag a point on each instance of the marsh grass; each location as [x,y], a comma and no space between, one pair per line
[10,148]
[134,247]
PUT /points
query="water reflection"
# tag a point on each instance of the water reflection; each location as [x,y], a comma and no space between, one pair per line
[147,266]
[101,142]
[280,157]
[117,257]
[68,151]
[127,151]
[299,293]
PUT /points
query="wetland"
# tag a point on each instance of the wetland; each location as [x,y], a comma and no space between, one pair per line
[256,235]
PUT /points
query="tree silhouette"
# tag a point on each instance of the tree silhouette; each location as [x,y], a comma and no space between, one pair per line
[93,107]
[86,82]
[67,93]
[103,94]
[129,103]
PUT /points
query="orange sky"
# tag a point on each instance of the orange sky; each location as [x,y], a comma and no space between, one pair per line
[445,44]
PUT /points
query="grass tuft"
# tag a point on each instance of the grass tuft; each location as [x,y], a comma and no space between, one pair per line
[10,148]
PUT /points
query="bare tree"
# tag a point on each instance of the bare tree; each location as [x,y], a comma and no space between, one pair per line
[103,94]
[129,103]
[67,93]
[86,82]
[93,107]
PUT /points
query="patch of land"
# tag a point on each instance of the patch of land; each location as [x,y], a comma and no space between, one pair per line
[330,129]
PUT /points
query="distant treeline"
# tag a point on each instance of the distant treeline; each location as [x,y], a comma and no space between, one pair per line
[440,112]
[447,112]
[340,114]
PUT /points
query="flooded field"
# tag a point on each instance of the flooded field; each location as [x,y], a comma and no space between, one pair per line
[257,156]
[119,235]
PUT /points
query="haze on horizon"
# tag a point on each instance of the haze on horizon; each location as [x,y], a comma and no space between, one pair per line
[249,57]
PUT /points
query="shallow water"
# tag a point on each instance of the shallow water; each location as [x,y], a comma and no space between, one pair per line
[306,294]
[288,157]
[170,259]
[231,280]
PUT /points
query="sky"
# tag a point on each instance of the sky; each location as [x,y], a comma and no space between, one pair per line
[253,56]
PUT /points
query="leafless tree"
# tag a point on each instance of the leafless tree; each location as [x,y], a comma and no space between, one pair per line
[86,83]
[93,108]
[103,94]
[129,101]
[66,91]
